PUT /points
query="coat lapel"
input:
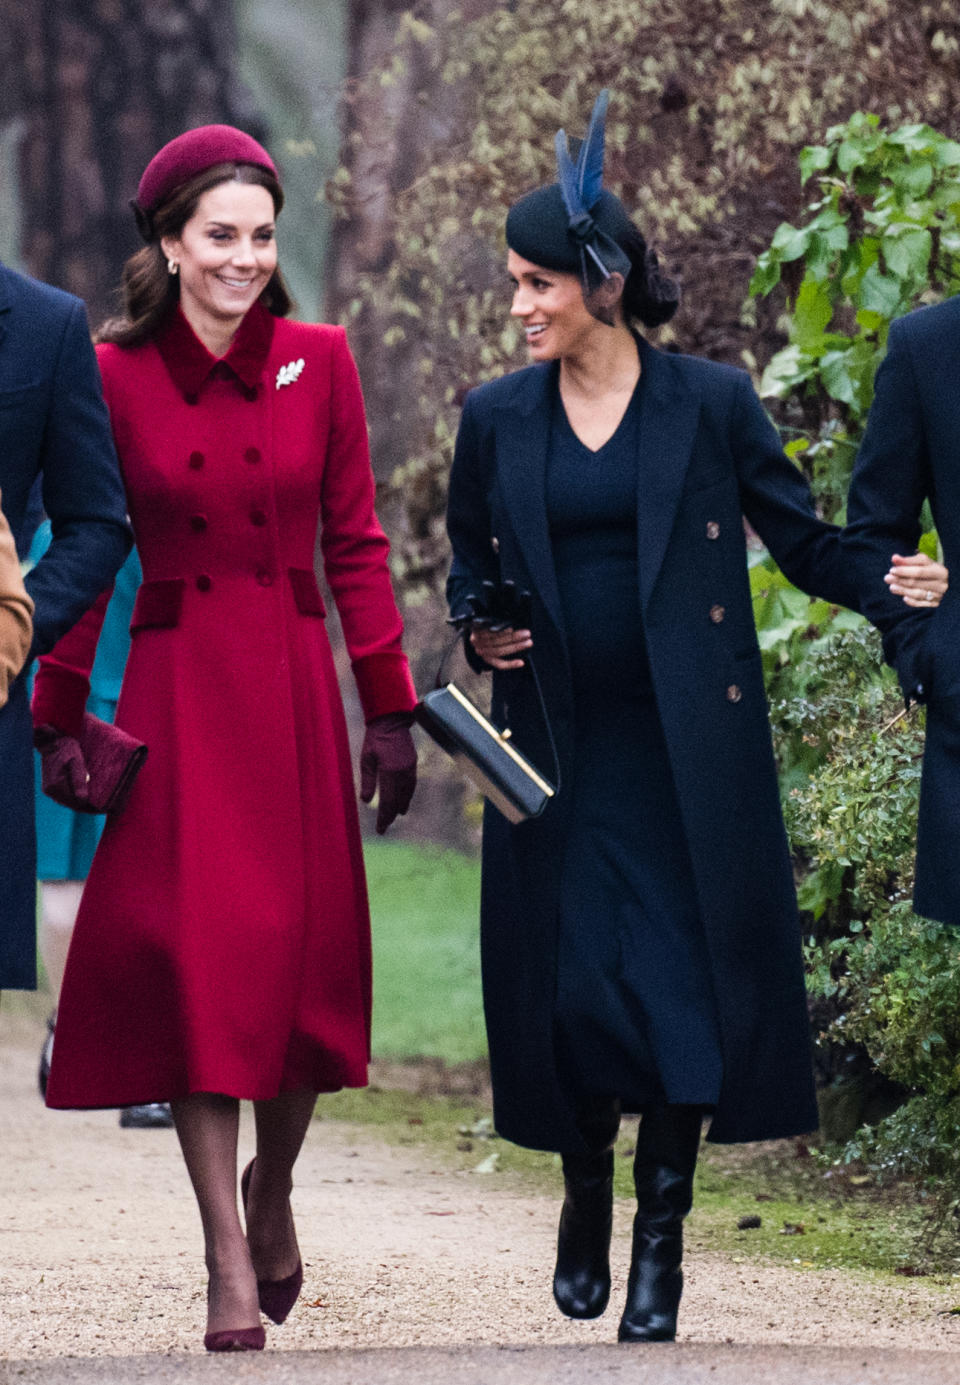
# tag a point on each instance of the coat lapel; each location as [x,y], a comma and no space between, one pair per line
[670,414]
[522,445]
[671,411]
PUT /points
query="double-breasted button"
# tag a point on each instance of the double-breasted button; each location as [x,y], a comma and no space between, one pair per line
[196,461]
[252,455]
[713,529]
[258,517]
[264,577]
[198,523]
[495,544]
[717,613]
[204,583]
[734,693]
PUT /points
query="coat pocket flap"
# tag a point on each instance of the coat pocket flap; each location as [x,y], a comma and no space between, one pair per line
[158,605]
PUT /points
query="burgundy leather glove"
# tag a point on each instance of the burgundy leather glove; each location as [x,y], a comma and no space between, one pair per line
[64,770]
[389,756]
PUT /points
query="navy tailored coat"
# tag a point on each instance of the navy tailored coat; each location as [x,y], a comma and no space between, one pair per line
[911,453]
[53,423]
[708,455]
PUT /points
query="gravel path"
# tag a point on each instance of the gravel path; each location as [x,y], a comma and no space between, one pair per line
[101,1259]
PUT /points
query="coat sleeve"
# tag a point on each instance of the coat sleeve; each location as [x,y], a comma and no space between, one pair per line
[469,523]
[891,479]
[16,612]
[62,683]
[82,491]
[777,501]
[355,551]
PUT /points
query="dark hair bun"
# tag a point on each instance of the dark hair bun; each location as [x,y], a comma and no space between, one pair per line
[649,295]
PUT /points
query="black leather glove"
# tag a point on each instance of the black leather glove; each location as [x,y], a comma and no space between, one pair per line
[498,606]
[388,757]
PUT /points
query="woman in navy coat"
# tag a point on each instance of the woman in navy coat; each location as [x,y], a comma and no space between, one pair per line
[640,940]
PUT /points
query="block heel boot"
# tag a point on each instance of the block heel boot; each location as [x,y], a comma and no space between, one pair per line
[581,1281]
[666,1157]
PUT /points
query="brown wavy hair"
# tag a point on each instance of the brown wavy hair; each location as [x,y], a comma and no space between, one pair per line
[147,289]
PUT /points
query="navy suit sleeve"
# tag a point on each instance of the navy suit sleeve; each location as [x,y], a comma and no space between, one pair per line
[469,522]
[891,479]
[82,491]
[777,501]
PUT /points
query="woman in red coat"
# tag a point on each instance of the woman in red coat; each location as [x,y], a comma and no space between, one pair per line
[222,949]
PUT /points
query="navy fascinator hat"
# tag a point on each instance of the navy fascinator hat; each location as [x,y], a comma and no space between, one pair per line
[575,226]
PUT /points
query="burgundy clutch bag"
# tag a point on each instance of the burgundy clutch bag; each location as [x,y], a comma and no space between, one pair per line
[92,772]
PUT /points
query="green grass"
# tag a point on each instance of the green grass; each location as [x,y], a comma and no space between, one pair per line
[425,906]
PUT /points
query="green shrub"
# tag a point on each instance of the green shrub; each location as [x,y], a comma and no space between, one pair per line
[880,235]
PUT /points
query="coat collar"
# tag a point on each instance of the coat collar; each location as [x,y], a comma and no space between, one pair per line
[190,363]
[671,410]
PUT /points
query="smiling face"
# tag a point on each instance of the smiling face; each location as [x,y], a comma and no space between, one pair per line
[550,305]
[227,253]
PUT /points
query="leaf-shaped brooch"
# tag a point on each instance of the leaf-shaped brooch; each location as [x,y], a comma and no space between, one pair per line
[288,374]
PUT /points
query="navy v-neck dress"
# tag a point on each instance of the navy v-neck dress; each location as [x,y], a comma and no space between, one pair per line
[635,1012]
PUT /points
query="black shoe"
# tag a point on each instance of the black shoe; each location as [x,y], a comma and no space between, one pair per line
[581,1281]
[155,1115]
[666,1157]
[46,1053]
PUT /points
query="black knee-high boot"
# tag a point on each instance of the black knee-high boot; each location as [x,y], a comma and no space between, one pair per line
[581,1281]
[666,1157]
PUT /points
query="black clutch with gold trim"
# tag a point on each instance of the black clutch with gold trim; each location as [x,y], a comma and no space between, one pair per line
[485,753]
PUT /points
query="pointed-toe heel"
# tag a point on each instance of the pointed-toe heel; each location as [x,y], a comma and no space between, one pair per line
[236,1339]
[581,1281]
[276,1296]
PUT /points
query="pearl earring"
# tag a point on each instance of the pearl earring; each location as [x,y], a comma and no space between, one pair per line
[172,265]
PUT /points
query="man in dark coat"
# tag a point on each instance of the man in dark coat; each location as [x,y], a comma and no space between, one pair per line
[909,454]
[53,423]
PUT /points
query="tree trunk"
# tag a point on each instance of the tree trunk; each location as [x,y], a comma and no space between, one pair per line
[100,85]
[384,138]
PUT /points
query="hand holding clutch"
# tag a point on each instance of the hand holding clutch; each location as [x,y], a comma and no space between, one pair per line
[92,772]
[389,756]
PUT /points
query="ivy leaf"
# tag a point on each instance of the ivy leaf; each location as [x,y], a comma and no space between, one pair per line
[790,242]
[811,315]
[907,253]
[814,159]
[765,277]
[879,293]
[914,179]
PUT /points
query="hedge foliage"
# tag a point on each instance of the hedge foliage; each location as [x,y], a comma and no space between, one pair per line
[879,235]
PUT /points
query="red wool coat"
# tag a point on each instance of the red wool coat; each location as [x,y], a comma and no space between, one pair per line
[223,940]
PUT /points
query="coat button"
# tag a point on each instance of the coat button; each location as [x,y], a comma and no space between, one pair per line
[713,529]
[252,455]
[198,523]
[733,693]
[196,461]
[204,583]
[495,544]
[717,613]
[258,517]
[264,577]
